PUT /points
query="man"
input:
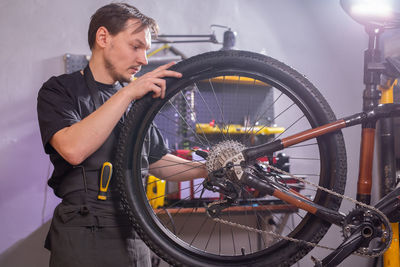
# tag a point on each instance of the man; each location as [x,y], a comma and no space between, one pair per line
[80,115]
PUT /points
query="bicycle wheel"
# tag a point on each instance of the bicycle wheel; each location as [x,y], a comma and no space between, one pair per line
[247,99]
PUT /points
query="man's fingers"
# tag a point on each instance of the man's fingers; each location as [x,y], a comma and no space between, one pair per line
[165,66]
[163,71]
[159,89]
[170,73]
[161,83]
[153,81]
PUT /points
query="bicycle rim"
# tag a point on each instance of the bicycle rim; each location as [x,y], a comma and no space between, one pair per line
[250,99]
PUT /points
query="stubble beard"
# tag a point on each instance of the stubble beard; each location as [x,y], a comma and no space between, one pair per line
[113,73]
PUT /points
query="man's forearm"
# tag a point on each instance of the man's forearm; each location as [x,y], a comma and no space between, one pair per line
[173,168]
[78,141]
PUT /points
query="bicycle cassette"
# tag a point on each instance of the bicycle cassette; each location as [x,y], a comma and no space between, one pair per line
[221,152]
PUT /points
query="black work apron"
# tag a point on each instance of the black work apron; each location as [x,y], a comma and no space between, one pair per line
[86,231]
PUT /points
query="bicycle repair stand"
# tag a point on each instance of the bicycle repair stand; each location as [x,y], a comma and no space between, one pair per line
[374,68]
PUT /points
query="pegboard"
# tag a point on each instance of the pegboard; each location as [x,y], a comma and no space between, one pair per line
[75,62]
[221,103]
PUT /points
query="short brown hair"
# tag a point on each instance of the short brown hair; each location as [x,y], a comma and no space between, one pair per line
[114,16]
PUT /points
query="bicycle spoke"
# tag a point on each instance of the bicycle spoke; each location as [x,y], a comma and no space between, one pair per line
[190,126]
[290,126]
[206,104]
[219,239]
[298,158]
[219,106]
[248,233]
[174,192]
[297,146]
[270,213]
[265,112]
[194,114]
[209,237]
[163,130]
[173,163]
[202,225]
[233,239]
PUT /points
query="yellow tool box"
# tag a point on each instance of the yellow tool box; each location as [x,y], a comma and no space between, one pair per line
[155,191]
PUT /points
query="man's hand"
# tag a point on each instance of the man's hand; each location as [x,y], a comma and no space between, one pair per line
[152,82]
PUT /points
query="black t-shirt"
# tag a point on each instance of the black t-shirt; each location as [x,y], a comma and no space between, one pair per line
[65,100]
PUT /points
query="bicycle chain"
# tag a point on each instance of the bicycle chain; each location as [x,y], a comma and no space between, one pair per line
[238,225]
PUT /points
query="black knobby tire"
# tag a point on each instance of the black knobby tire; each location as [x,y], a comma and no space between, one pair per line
[328,154]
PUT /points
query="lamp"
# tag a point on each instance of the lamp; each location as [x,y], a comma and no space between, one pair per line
[379,9]
[372,13]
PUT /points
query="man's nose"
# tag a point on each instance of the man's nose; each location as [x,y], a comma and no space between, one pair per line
[142,59]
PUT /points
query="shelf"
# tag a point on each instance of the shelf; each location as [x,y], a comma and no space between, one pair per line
[279,208]
[206,128]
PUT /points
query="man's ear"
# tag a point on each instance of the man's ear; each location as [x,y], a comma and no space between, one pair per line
[102,37]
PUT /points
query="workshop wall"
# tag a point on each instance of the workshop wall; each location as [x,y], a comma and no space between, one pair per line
[315,37]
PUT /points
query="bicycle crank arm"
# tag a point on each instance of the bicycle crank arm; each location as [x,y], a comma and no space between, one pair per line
[294,198]
[361,236]
[343,251]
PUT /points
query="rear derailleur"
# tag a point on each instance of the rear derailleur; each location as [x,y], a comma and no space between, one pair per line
[218,182]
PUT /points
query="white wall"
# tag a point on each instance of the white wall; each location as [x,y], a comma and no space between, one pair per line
[315,37]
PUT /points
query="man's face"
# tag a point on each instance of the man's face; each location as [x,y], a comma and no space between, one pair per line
[126,52]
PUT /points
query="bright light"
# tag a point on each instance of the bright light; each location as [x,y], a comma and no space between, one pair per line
[372,8]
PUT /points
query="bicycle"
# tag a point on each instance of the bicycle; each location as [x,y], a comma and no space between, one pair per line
[269,216]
